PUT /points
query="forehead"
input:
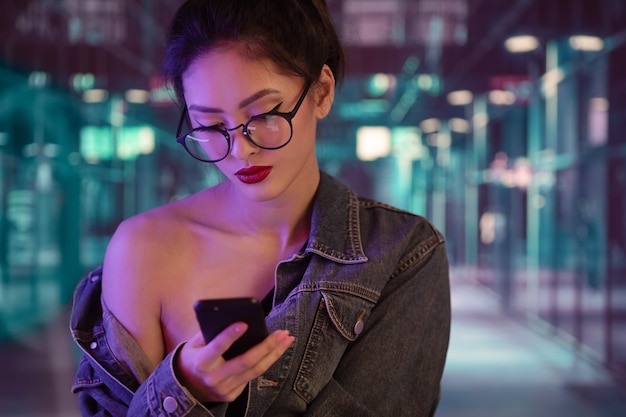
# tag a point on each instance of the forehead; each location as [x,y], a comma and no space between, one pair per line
[232,60]
[222,64]
[223,78]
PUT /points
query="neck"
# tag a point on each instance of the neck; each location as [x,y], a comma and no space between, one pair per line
[285,219]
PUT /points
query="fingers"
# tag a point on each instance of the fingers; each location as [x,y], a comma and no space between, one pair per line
[223,341]
[258,359]
[198,361]
[197,340]
[233,375]
[262,356]
[210,378]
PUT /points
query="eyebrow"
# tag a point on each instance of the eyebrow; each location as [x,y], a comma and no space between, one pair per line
[245,102]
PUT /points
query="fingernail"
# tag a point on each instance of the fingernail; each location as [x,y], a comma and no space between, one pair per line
[280,336]
[288,341]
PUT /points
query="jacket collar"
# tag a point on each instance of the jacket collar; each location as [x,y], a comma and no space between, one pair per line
[335,229]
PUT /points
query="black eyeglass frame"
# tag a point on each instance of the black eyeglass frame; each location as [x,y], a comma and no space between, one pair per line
[180,138]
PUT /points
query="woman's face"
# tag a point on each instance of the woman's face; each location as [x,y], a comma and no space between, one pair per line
[226,88]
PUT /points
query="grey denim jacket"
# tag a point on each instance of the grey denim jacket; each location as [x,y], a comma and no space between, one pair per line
[368,301]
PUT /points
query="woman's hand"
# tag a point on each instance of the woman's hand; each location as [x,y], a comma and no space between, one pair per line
[204,372]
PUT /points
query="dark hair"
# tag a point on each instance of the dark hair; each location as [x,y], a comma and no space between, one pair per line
[297,35]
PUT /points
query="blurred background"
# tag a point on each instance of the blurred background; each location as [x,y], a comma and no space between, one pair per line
[501,121]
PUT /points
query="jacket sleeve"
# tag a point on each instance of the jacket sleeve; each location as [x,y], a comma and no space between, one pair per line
[159,395]
[408,334]
[114,378]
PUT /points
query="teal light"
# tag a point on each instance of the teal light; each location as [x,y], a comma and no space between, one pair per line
[134,141]
[96,143]
[83,82]
[379,84]
[430,83]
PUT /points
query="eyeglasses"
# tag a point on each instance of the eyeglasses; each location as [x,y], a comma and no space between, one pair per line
[271,130]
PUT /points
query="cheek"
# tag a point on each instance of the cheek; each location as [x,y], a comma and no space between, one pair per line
[304,137]
[305,123]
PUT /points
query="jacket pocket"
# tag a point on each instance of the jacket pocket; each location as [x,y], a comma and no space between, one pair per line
[85,376]
[95,398]
[339,319]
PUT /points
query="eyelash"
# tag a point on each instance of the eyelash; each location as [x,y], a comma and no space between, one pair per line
[221,125]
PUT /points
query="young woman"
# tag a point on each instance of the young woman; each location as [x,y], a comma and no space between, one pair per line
[356,292]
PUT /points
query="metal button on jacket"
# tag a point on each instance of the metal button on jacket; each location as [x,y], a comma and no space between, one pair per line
[170,404]
[358,326]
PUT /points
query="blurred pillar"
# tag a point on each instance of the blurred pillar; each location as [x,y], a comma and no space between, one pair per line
[534,143]
[440,174]
[476,161]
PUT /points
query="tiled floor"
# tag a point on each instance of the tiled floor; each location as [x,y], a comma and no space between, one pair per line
[496,367]
[499,367]
[36,371]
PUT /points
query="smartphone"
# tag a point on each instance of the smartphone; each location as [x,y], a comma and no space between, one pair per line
[217,314]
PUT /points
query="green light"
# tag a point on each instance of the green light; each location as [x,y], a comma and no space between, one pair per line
[38,79]
[379,84]
[83,82]
[428,82]
[134,141]
[411,65]
[96,143]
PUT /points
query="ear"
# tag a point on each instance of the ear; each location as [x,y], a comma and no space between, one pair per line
[325,93]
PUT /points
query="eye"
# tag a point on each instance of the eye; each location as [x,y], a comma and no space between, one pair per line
[274,110]
[215,126]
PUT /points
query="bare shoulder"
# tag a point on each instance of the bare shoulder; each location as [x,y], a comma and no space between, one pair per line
[141,241]
[141,259]
[150,241]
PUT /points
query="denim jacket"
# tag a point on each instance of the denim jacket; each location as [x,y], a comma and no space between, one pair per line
[367,301]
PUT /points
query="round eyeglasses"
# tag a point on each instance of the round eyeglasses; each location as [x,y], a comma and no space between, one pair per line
[271,130]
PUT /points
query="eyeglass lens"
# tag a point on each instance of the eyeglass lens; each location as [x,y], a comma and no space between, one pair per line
[266,131]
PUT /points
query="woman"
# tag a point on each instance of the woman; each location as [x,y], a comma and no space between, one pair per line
[356,291]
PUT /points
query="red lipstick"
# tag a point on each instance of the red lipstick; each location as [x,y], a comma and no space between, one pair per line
[253,175]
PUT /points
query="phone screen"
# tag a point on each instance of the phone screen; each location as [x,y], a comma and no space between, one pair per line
[217,314]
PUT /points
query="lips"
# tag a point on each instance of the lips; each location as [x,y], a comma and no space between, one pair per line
[253,175]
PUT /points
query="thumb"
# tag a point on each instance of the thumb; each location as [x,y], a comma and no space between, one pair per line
[227,337]
[197,340]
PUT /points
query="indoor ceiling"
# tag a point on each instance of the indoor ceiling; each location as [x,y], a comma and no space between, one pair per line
[459,41]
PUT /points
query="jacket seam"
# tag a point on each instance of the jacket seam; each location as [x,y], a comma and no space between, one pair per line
[355,225]
[356,290]
[414,257]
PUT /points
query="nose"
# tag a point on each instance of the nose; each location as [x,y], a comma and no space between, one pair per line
[240,146]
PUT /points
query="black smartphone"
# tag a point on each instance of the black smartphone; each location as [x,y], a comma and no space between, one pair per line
[217,314]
